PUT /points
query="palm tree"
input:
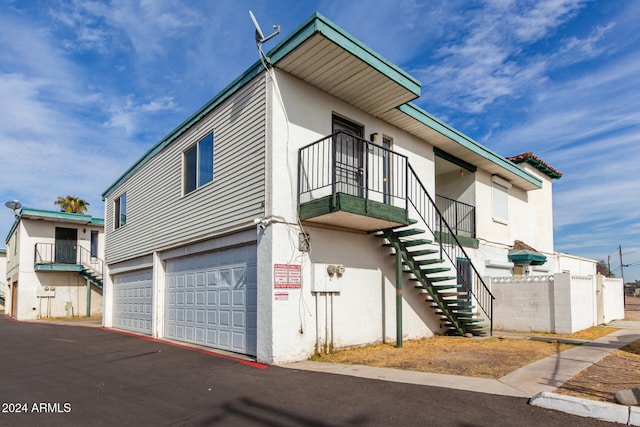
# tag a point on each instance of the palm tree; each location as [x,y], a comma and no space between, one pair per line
[72,204]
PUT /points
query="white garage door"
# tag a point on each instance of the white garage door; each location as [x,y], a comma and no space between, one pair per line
[132,301]
[212,299]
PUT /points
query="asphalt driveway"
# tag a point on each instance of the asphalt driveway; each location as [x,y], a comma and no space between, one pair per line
[69,375]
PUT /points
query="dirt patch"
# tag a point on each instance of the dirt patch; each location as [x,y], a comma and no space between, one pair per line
[484,358]
[620,370]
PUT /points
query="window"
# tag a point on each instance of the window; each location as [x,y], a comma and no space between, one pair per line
[120,211]
[94,244]
[500,199]
[198,164]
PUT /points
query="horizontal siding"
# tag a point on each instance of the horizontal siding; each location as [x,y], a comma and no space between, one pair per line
[159,216]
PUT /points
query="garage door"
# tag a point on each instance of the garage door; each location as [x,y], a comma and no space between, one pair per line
[132,301]
[211,299]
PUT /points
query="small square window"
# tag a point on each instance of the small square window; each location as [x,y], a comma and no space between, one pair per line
[198,164]
[120,211]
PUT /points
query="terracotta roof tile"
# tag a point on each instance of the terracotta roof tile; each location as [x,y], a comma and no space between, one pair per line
[536,163]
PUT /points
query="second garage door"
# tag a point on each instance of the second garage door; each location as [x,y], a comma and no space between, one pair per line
[211,299]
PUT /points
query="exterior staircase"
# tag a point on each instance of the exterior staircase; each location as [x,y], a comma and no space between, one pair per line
[421,259]
[92,276]
[382,186]
[440,266]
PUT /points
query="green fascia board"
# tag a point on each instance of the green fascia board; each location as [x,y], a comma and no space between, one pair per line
[427,119]
[317,23]
[53,215]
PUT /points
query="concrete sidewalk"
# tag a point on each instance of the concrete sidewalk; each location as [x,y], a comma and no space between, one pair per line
[543,376]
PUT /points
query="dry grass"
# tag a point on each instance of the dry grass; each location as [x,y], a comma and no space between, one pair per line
[589,334]
[484,358]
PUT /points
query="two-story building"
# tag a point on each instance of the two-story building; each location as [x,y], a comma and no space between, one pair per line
[54,265]
[310,205]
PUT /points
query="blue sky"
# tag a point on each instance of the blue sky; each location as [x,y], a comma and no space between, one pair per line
[87,87]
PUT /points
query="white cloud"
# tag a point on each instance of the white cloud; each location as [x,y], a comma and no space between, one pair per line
[485,61]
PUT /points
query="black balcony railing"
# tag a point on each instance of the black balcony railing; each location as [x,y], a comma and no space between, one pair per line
[67,254]
[461,217]
[345,163]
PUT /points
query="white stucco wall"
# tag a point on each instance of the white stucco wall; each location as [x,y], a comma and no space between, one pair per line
[576,265]
[530,214]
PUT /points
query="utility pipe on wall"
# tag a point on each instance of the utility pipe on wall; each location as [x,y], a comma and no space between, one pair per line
[398,296]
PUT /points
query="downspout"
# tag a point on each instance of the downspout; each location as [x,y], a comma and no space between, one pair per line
[88,298]
[398,296]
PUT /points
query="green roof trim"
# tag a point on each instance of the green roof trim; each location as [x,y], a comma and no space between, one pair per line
[525,257]
[427,119]
[317,23]
[29,213]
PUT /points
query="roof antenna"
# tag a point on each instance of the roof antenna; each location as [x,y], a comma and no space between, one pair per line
[260,39]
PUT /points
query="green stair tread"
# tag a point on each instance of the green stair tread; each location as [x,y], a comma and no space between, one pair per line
[441,279]
[408,232]
[416,242]
[421,252]
[435,270]
[429,261]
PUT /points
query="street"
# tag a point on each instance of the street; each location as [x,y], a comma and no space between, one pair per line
[70,375]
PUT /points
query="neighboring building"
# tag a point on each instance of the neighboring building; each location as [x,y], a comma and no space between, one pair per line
[54,265]
[3,275]
[287,214]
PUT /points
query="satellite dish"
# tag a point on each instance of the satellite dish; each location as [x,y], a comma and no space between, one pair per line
[260,38]
[14,205]
[259,34]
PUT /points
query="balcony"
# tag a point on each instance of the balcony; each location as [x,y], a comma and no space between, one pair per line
[461,218]
[348,182]
[68,256]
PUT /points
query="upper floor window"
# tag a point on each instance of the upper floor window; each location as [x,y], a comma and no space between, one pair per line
[500,199]
[120,211]
[198,164]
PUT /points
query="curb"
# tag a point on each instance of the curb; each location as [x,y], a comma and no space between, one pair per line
[604,411]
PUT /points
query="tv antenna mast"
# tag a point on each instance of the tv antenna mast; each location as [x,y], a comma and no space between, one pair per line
[261,39]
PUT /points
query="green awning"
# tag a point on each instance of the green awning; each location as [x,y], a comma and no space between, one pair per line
[526,257]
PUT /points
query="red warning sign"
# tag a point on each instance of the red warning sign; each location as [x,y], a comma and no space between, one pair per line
[287,276]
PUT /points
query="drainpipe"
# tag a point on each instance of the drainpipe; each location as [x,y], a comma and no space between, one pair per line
[398,296]
[88,298]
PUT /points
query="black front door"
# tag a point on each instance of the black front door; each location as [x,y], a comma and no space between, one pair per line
[66,245]
[349,152]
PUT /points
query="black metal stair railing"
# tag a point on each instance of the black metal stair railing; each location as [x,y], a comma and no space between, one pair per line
[450,247]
